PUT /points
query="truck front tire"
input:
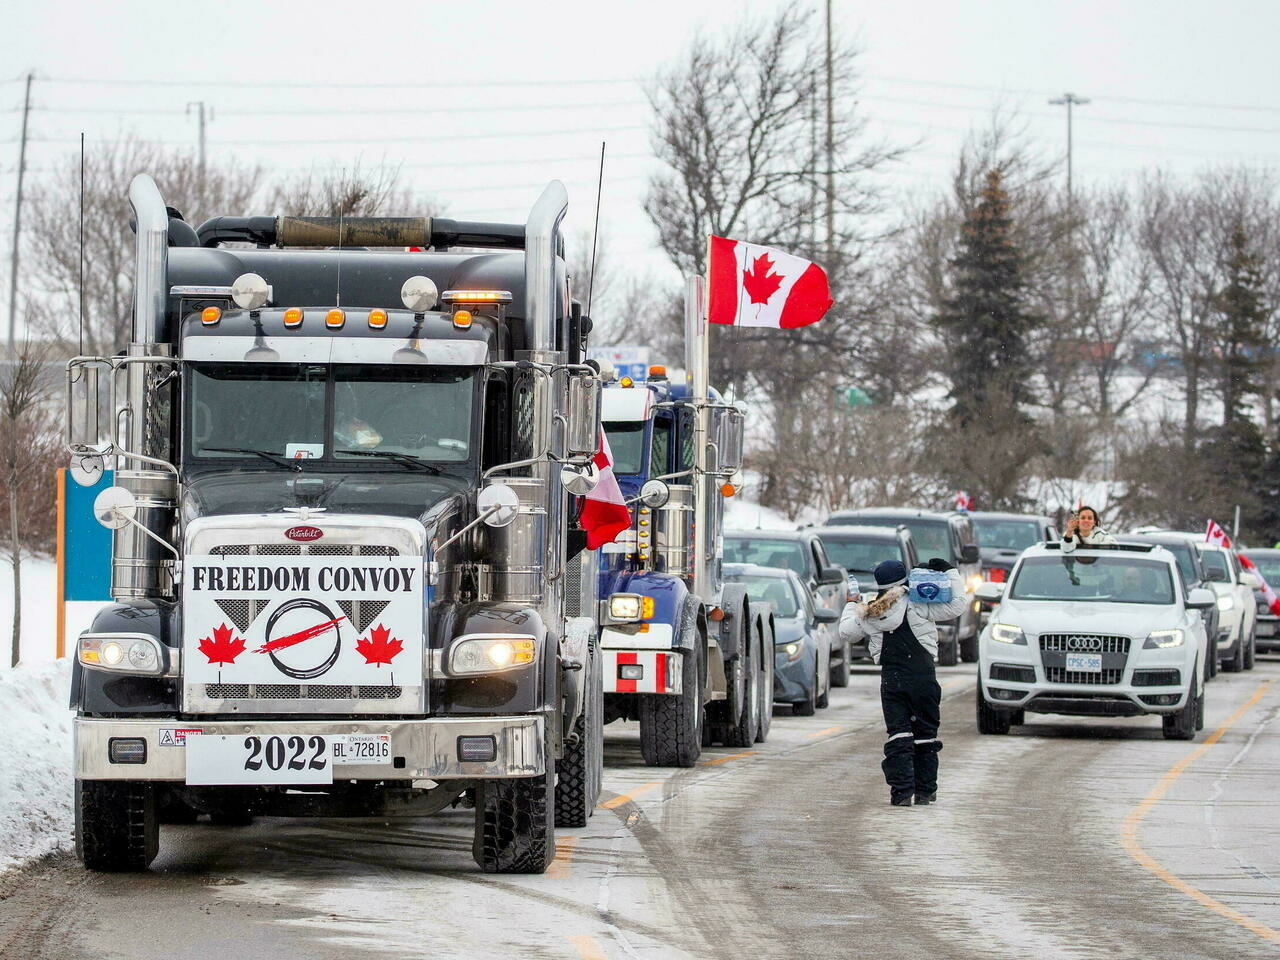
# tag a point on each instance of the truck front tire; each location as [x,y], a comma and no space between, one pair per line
[117,825]
[671,726]
[515,824]
[579,771]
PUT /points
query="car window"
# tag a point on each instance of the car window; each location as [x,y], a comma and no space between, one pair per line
[1268,566]
[1118,579]
[772,589]
[787,554]
[1186,562]
[803,597]
[861,556]
[1007,534]
[1216,565]
[932,537]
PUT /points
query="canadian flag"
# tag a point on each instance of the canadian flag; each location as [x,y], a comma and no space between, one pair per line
[964,501]
[1216,535]
[604,510]
[1267,593]
[753,286]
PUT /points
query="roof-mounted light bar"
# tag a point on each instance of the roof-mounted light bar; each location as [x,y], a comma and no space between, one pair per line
[476,296]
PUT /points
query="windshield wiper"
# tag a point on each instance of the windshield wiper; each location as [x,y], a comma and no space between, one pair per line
[277,459]
[407,460]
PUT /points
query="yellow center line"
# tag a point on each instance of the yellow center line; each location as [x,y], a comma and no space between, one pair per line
[724,759]
[624,798]
[823,733]
[588,948]
[563,863]
[956,682]
[1129,833]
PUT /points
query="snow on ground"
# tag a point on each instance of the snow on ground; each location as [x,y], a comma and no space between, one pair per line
[35,764]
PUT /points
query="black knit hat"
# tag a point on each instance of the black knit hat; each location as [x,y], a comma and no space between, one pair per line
[890,573]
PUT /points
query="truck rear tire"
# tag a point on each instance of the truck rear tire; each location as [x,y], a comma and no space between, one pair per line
[671,726]
[742,731]
[515,824]
[990,719]
[117,825]
[766,649]
[579,771]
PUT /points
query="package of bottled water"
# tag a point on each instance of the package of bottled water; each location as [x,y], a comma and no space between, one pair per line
[928,586]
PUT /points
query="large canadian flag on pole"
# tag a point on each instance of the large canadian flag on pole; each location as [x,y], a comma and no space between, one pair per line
[1218,537]
[604,510]
[753,286]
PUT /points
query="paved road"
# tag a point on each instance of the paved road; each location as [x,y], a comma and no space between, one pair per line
[1091,840]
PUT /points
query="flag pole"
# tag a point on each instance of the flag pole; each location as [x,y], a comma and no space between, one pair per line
[697,360]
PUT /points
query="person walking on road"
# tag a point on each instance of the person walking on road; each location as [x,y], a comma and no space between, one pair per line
[1083,531]
[902,636]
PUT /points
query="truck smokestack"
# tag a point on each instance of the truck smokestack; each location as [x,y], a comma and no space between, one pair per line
[540,233]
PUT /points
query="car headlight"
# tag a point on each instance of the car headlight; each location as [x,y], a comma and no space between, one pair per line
[124,653]
[792,650]
[1160,639]
[1226,603]
[471,655]
[973,583]
[1008,633]
[630,607]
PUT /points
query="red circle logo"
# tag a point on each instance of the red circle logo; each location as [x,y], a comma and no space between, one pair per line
[304,534]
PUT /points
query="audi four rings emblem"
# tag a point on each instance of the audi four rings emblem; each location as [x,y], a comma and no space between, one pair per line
[1084,643]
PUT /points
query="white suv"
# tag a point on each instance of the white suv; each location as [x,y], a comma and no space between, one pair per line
[1105,631]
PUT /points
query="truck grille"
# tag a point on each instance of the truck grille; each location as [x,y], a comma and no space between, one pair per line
[1054,648]
[297,691]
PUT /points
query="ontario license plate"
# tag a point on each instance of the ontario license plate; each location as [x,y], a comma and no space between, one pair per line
[362,748]
[1084,662]
[260,759]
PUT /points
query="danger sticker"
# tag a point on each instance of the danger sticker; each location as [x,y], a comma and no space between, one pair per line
[176,736]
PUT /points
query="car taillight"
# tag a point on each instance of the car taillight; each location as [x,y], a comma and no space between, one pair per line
[996,575]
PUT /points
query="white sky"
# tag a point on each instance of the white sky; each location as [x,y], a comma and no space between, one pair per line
[496,98]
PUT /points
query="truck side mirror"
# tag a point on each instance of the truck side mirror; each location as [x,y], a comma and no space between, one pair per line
[115,507]
[654,494]
[83,416]
[498,505]
[731,432]
[582,426]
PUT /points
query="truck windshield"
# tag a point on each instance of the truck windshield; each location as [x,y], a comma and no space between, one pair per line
[329,412]
[1099,579]
[626,442]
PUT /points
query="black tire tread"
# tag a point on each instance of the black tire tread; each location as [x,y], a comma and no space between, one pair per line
[117,825]
[578,773]
[671,727]
[991,720]
[515,830]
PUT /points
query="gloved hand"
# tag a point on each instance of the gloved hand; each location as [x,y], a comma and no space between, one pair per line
[922,566]
[940,565]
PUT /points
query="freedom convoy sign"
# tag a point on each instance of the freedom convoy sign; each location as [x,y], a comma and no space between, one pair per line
[330,621]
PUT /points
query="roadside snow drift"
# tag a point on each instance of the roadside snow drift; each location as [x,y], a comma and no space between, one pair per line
[35,764]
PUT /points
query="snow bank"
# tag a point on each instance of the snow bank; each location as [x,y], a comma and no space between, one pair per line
[39,615]
[35,762]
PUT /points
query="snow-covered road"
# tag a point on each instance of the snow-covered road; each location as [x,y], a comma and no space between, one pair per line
[789,850]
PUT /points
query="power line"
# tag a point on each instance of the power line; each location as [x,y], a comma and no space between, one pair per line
[292,84]
[343,111]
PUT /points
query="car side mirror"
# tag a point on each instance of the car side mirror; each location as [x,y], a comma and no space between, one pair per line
[1201,598]
[1250,580]
[825,615]
[830,575]
[969,553]
[989,592]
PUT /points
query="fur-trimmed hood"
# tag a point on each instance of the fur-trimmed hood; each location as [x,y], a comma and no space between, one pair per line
[881,605]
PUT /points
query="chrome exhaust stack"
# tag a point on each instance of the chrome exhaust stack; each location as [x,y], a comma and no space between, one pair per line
[138,562]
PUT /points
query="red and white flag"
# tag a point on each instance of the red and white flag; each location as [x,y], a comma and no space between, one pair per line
[1267,593]
[1216,535]
[964,501]
[753,286]
[604,510]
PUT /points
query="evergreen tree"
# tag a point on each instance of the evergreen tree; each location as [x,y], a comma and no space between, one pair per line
[1242,328]
[985,322]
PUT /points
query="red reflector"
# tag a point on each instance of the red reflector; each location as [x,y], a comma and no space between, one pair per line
[997,575]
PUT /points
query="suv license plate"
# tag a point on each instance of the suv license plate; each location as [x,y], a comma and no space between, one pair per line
[217,760]
[1084,662]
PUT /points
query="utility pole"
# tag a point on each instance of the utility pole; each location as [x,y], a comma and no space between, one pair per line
[1069,100]
[17,217]
[204,113]
[831,182]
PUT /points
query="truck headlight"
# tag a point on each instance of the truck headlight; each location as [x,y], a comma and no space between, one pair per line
[126,653]
[630,607]
[1008,633]
[1226,603]
[1160,639]
[471,655]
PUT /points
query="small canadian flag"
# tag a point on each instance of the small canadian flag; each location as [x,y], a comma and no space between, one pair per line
[604,510]
[963,500]
[753,286]
[1216,535]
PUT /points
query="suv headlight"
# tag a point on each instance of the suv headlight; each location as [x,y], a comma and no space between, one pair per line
[1008,633]
[126,653]
[792,649]
[1226,603]
[630,607]
[472,655]
[1160,639]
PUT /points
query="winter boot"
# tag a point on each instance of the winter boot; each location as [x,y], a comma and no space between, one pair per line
[902,801]
[925,798]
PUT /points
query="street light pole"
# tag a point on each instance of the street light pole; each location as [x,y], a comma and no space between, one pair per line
[1069,100]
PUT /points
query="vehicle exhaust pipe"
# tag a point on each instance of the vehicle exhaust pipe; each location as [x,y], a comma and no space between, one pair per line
[541,235]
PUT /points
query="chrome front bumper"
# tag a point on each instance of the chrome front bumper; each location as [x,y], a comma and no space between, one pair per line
[429,747]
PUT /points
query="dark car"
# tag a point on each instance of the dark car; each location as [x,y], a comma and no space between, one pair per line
[802,656]
[1194,575]
[1003,536]
[802,552]
[1268,563]
[859,549]
[937,533]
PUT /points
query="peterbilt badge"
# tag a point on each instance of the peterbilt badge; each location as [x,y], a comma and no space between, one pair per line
[304,533]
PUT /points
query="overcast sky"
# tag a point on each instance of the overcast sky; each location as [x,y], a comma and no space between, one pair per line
[481,103]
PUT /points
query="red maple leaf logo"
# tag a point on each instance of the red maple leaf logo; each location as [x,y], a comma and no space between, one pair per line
[379,647]
[759,283]
[223,647]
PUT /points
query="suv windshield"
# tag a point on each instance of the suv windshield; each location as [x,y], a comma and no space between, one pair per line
[1182,551]
[1097,579]
[766,553]
[1007,534]
[329,412]
[932,537]
[774,590]
[861,556]
[1268,565]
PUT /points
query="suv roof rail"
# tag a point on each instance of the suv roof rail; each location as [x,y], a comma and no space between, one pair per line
[1130,547]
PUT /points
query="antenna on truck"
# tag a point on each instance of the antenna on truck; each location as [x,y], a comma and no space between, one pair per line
[595,231]
[80,319]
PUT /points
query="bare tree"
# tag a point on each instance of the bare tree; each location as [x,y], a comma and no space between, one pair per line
[354,191]
[55,256]
[28,445]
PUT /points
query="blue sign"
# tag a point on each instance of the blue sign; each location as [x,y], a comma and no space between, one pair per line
[86,544]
